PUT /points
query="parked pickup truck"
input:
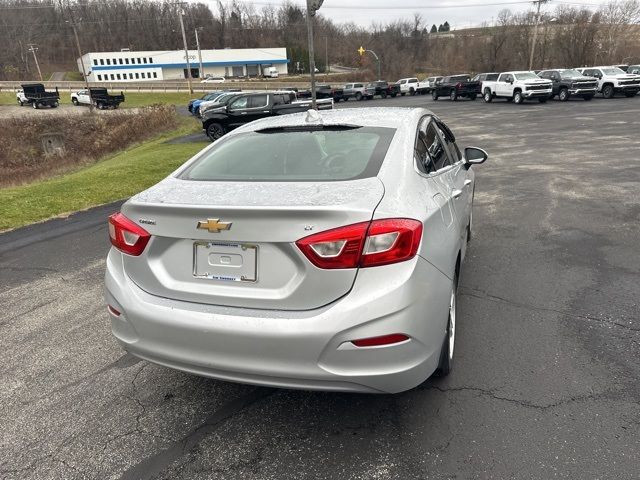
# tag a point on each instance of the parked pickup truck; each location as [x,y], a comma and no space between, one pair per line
[517,87]
[456,86]
[382,89]
[612,80]
[248,107]
[426,86]
[408,85]
[569,83]
[99,97]
[36,95]
[324,91]
[353,90]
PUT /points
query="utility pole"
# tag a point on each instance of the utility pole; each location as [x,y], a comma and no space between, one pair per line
[312,6]
[535,31]
[199,52]
[362,51]
[186,51]
[33,49]
[327,69]
[84,72]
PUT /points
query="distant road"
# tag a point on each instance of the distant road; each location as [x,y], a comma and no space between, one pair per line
[57,77]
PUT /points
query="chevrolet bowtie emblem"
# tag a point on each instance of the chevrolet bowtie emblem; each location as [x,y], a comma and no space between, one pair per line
[214,225]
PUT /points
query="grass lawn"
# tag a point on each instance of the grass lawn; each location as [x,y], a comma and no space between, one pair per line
[132,99]
[113,178]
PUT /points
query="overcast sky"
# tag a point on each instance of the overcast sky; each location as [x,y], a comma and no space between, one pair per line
[459,13]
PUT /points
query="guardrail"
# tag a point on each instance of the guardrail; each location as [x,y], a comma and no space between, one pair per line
[12,86]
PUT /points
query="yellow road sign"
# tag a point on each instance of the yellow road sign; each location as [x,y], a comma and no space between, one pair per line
[361,51]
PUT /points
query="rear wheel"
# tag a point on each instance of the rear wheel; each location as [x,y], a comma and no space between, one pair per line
[100,106]
[20,102]
[412,92]
[563,95]
[75,101]
[358,96]
[517,97]
[487,96]
[453,95]
[35,105]
[446,353]
[383,94]
[607,91]
[434,95]
[215,131]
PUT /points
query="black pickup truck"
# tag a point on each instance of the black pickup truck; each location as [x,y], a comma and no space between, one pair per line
[36,95]
[569,83]
[248,107]
[324,91]
[455,87]
[98,96]
[382,89]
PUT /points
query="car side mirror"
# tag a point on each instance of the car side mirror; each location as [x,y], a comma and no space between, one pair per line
[474,156]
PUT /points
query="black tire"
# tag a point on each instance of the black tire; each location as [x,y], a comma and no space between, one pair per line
[543,100]
[100,106]
[563,94]
[588,97]
[487,96]
[358,96]
[607,91]
[517,97]
[35,105]
[445,364]
[75,102]
[453,95]
[473,96]
[20,102]
[215,131]
[434,95]
[412,92]
[383,94]
[54,105]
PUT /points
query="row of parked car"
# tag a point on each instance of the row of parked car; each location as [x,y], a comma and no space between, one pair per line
[37,96]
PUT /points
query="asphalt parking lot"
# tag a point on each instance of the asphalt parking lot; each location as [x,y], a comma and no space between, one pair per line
[545,383]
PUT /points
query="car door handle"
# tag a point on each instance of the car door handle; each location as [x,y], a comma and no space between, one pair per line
[243,113]
[467,183]
[456,193]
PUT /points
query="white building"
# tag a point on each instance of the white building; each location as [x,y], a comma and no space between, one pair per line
[132,66]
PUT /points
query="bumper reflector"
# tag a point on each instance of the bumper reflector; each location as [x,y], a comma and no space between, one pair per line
[382,340]
[113,311]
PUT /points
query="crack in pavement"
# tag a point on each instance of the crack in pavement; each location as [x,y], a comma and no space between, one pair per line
[26,312]
[523,403]
[156,463]
[483,295]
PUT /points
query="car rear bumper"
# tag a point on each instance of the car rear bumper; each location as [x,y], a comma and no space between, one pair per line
[294,349]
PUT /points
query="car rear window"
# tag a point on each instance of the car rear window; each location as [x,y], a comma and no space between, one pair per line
[294,155]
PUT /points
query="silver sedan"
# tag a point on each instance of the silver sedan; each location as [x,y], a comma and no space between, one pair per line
[314,250]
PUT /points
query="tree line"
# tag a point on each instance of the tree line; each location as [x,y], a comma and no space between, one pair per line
[568,36]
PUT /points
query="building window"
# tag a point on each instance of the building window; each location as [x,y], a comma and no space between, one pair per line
[139,60]
[118,75]
[150,60]
[99,78]
[155,75]
[108,62]
[144,60]
[120,61]
[114,62]
[113,77]
[137,75]
[133,60]
[95,62]
[142,74]
[101,61]
[126,60]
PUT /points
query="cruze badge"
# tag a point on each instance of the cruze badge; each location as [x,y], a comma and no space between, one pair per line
[214,225]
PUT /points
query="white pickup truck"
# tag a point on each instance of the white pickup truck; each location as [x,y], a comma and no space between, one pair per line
[517,87]
[612,80]
[408,85]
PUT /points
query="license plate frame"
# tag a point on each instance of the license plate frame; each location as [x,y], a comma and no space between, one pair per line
[225,261]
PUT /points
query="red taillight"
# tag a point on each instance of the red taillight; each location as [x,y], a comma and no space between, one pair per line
[382,340]
[458,85]
[365,244]
[126,236]
[113,311]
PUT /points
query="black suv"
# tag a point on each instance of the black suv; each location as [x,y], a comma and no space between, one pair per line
[569,83]
[456,86]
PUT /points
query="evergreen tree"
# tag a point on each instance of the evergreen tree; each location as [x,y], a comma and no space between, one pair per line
[434,29]
[446,27]
[441,28]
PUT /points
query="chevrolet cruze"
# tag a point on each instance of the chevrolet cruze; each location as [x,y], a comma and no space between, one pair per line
[313,250]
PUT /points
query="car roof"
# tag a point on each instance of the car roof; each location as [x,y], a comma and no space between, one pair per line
[389,117]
